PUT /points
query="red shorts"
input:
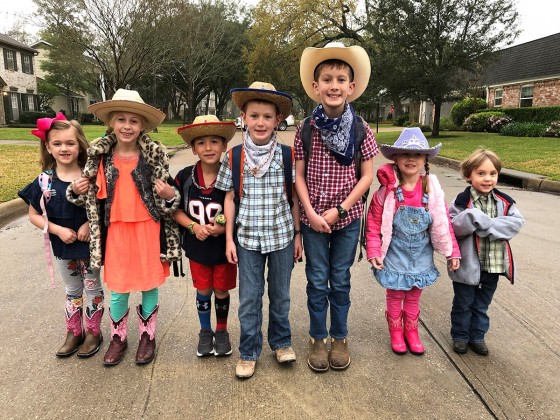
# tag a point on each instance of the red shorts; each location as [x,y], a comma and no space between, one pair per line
[219,277]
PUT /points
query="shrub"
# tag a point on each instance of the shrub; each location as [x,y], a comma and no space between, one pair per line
[446,124]
[85,118]
[401,120]
[553,130]
[542,114]
[524,129]
[489,121]
[31,117]
[423,128]
[466,107]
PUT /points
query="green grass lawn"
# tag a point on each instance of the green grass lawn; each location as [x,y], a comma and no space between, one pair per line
[18,163]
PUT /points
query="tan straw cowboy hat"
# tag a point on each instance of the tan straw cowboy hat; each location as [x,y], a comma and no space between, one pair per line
[264,91]
[125,100]
[206,125]
[355,56]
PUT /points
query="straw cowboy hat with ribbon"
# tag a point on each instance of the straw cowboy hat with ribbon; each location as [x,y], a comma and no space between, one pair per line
[263,91]
[125,100]
[207,125]
[356,57]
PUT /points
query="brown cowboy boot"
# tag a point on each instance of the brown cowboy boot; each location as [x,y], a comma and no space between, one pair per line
[74,334]
[94,338]
[147,344]
[118,344]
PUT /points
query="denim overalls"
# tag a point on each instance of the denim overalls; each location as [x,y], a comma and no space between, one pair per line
[410,258]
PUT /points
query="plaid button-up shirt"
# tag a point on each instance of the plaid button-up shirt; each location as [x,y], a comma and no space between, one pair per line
[329,182]
[264,222]
[491,253]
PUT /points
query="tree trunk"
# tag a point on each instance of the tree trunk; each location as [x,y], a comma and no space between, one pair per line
[397,106]
[437,114]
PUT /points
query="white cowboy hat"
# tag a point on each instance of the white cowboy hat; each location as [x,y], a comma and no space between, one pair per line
[355,56]
[206,125]
[411,140]
[125,100]
[264,91]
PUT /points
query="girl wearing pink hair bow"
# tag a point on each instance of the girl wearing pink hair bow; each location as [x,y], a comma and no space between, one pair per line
[63,155]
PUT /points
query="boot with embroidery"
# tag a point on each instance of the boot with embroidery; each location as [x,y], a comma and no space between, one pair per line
[396,333]
[411,336]
[74,333]
[94,338]
[118,344]
[147,344]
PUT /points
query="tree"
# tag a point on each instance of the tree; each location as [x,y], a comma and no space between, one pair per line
[446,41]
[46,93]
[124,38]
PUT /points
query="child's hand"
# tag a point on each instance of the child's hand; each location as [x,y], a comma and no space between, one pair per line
[215,229]
[83,232]
[453,264]
[318,224]
[66,235]
[298,248]
[376,262]
[231,252]
[330,216]
[201,232]
[164,190]
[80,186]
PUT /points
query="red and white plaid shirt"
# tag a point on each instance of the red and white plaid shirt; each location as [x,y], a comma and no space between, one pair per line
[329,182]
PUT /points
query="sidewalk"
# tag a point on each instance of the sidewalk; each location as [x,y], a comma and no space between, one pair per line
[518,380]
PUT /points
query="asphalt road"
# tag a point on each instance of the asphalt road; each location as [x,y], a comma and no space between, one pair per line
[519,380]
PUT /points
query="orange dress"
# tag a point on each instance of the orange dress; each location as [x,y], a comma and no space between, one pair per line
[132,251]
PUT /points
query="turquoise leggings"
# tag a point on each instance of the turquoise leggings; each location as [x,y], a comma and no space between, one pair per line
[119,303]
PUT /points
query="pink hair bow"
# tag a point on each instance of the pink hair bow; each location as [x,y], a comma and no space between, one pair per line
[44,125]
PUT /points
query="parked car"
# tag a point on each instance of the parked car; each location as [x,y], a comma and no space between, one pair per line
[239,123]
[290,121]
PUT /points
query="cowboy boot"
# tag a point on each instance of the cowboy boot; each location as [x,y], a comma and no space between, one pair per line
[94,338]
[411,335]
[147,344]
[396,333]
[118,344]
[74,334]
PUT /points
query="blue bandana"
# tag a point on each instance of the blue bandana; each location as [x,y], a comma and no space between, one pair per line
[337,133]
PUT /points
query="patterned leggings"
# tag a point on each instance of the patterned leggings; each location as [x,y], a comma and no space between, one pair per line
[77,276]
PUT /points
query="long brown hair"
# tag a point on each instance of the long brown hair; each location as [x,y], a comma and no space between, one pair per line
[47,161]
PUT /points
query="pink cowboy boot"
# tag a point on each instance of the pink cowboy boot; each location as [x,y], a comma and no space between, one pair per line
[396,332]
[411,335]
[118,344]
[147,344]
[94,338]
[74,334]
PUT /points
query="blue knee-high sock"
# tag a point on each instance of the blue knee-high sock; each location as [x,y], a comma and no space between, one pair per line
[204,306]
[119,305]
[149,301]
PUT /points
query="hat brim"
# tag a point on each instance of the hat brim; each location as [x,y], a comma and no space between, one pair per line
[389,151]
[223,129]
[102,110]
[355,56]
[240,96]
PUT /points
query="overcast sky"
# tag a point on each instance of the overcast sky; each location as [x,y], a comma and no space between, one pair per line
[538,18]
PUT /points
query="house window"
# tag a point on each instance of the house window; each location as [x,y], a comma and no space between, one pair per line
[75,107]
[10,62]
[27,63]
[15,106]
[30,103]
[498,97]
[526,96]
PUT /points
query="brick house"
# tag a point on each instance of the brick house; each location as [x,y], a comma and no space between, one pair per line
[525,75]
[17,79]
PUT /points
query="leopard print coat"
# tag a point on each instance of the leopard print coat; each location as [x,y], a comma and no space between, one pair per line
[153,164]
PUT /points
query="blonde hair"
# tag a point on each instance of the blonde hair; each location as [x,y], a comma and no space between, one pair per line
[47,160]
[477,158]
[113,115]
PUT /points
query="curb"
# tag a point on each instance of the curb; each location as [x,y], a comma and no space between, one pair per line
[11,210]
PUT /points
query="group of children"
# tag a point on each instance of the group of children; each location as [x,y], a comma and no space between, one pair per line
[256,212]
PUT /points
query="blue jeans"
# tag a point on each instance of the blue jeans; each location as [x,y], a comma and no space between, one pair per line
[251,290]
[328,258]
[469,318]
